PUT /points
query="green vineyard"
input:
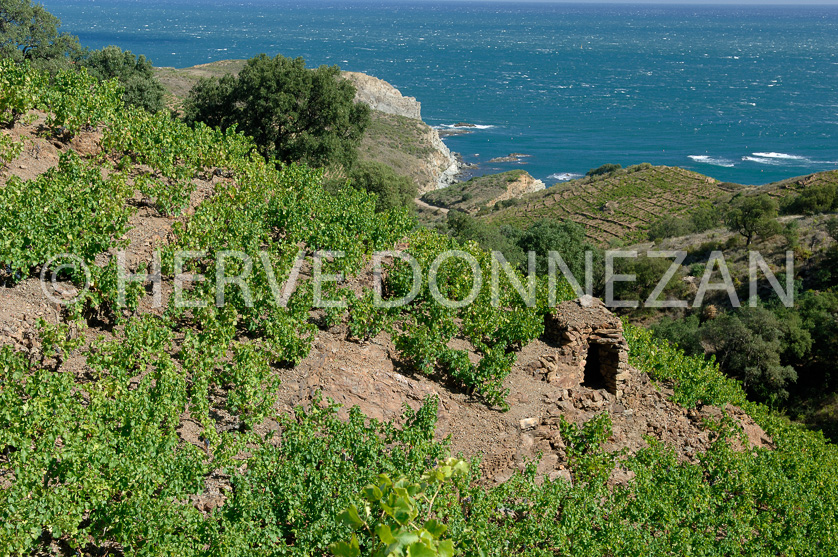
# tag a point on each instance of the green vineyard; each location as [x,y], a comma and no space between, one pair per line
[93,455]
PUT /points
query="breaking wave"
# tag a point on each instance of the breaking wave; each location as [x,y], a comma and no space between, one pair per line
[712,160]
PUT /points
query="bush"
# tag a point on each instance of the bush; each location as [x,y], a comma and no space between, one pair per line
[464,227]
[683,333]
[669,227]
[705,217]
[814,200]
[648,273]
[638,167]
[753,215]
[565,237]
[135,73]
[21,90]
[392,190]
[604,169]
[748,344]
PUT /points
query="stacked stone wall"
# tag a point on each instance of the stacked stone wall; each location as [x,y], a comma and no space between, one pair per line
[576,328]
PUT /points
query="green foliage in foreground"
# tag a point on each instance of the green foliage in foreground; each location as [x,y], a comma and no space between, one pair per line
[20,89]
[120,474]
[101,457]
[390,516]
[77,211]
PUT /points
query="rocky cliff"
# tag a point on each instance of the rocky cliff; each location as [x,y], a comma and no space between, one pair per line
[383,97]
[483,192]
[399,138]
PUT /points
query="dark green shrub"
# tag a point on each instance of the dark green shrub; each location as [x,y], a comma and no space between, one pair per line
[604,169]
[565,237]
[814,200]
[135,73]
[705,217]
[669,227]
[392,191]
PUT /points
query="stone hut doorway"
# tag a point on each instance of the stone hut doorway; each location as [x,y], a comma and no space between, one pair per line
[591,348]
[593,377]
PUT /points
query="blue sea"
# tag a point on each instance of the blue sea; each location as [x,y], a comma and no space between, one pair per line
[743,94]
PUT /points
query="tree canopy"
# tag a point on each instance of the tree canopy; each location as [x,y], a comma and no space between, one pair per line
[565,237]
[135,73]
[753,215]
[292,112]
[29,32]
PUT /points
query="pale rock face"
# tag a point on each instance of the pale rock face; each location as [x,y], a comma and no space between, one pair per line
[383,97]
[438,169]
[520,187]
[446,163]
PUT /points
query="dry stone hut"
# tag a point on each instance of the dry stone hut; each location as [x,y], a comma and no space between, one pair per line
[590,347]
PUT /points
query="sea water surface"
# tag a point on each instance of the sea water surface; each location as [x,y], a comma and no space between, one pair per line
[745,94]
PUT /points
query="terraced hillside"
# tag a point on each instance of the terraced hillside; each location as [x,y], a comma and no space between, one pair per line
[173,422]
[617,206]
[791,186]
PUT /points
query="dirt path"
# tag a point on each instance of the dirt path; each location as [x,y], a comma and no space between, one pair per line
[424,205]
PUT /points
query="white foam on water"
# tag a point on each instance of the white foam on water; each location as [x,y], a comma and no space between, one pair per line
[762,160]
[469,127]
[564,176]
[781,156]
[712,160]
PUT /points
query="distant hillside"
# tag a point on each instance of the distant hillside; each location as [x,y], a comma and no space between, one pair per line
[621,205]
[396,136]
[484,192]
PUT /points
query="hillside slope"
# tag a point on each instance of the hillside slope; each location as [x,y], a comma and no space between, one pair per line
[484,192]
[616,206]
[140,426]
[622,205]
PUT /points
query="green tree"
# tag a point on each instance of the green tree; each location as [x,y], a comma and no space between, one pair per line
[392,190]
[29,32]
[705,217]
[565,237]
[683,333]
[465,227]
[292,112]
[753,215]
[669,227]
[814,200]
[748,345]
[135,73]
